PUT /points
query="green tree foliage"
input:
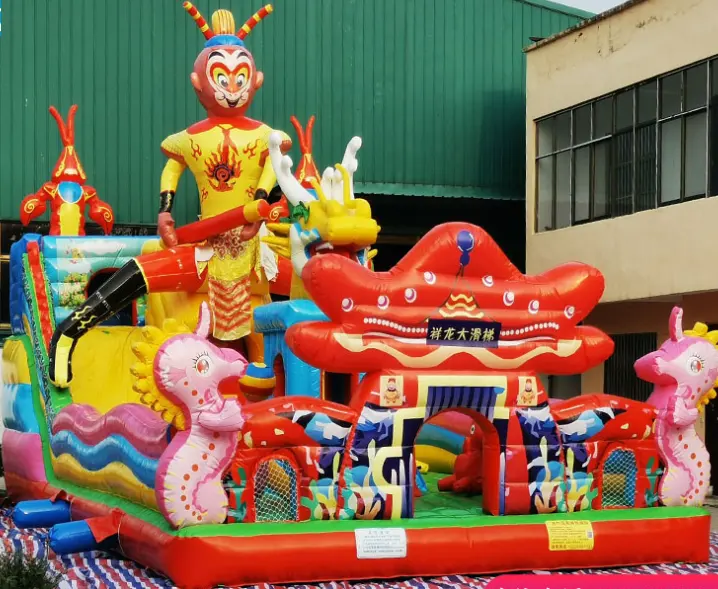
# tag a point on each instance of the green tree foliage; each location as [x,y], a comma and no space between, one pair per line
[20,572]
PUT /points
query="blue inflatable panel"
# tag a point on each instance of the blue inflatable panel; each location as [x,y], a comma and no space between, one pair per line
[70,191]
[89,254]
[591,425]
[282,315]
[326,432]
[421,483]
[71,262]
[17,294]
[16,408]
[114,448]
[71,537]
[439,437]
[42,513]
[273,320]
[255,370]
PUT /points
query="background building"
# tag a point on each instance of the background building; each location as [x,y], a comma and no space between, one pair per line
[622,162]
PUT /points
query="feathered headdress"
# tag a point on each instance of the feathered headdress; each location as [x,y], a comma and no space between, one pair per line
[223,29]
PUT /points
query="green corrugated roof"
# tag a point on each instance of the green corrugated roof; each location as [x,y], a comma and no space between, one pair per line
[434,87]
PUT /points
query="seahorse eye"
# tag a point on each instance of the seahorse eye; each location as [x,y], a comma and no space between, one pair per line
[695,365]
[203,366]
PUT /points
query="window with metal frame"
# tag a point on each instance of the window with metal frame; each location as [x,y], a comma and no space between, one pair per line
[619,377]
[649,145]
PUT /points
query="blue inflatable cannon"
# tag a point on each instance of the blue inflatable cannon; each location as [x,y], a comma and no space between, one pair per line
[42,513]
[66,536]
[77,536]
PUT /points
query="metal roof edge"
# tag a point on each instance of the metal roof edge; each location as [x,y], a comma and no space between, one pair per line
[558,7]
[583,24]
[436,190]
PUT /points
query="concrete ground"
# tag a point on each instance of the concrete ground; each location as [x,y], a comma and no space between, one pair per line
[714,518]
[712,506]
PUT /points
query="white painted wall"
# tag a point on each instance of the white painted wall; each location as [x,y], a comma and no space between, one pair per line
[633,252]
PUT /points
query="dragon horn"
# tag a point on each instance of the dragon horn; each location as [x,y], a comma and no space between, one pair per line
[347,184]
[305,135]
[61,126]
[254,20]
[71,124]
[282,165]
[318,189]
[199,19]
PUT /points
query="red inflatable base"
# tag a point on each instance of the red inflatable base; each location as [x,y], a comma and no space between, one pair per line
[195,562]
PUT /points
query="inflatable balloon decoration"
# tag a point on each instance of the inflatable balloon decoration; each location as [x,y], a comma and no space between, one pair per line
[465,242]
[189,370]
[67,192]
[228,155]
[684,370]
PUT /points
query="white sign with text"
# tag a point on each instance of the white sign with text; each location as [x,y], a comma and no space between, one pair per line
[373,543]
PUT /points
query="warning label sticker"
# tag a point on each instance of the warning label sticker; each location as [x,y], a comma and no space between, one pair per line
[570,535]
[380,543]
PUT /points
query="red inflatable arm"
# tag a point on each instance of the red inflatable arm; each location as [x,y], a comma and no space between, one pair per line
[202,230]
[100,211]
[34,206]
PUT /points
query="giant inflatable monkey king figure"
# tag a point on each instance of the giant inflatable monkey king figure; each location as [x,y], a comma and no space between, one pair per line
[228,155]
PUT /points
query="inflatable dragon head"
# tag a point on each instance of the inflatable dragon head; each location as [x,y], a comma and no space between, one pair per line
[324,214]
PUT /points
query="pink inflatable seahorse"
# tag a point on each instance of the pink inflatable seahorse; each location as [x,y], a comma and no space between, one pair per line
[684,371]
[188,369]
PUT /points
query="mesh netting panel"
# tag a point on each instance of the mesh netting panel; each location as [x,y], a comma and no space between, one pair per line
[619,479]
[275,492]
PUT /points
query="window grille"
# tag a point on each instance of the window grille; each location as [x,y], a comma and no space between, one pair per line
[619,376]
[636,149]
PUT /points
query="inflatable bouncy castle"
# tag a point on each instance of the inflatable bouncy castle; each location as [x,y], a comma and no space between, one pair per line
[372,425]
